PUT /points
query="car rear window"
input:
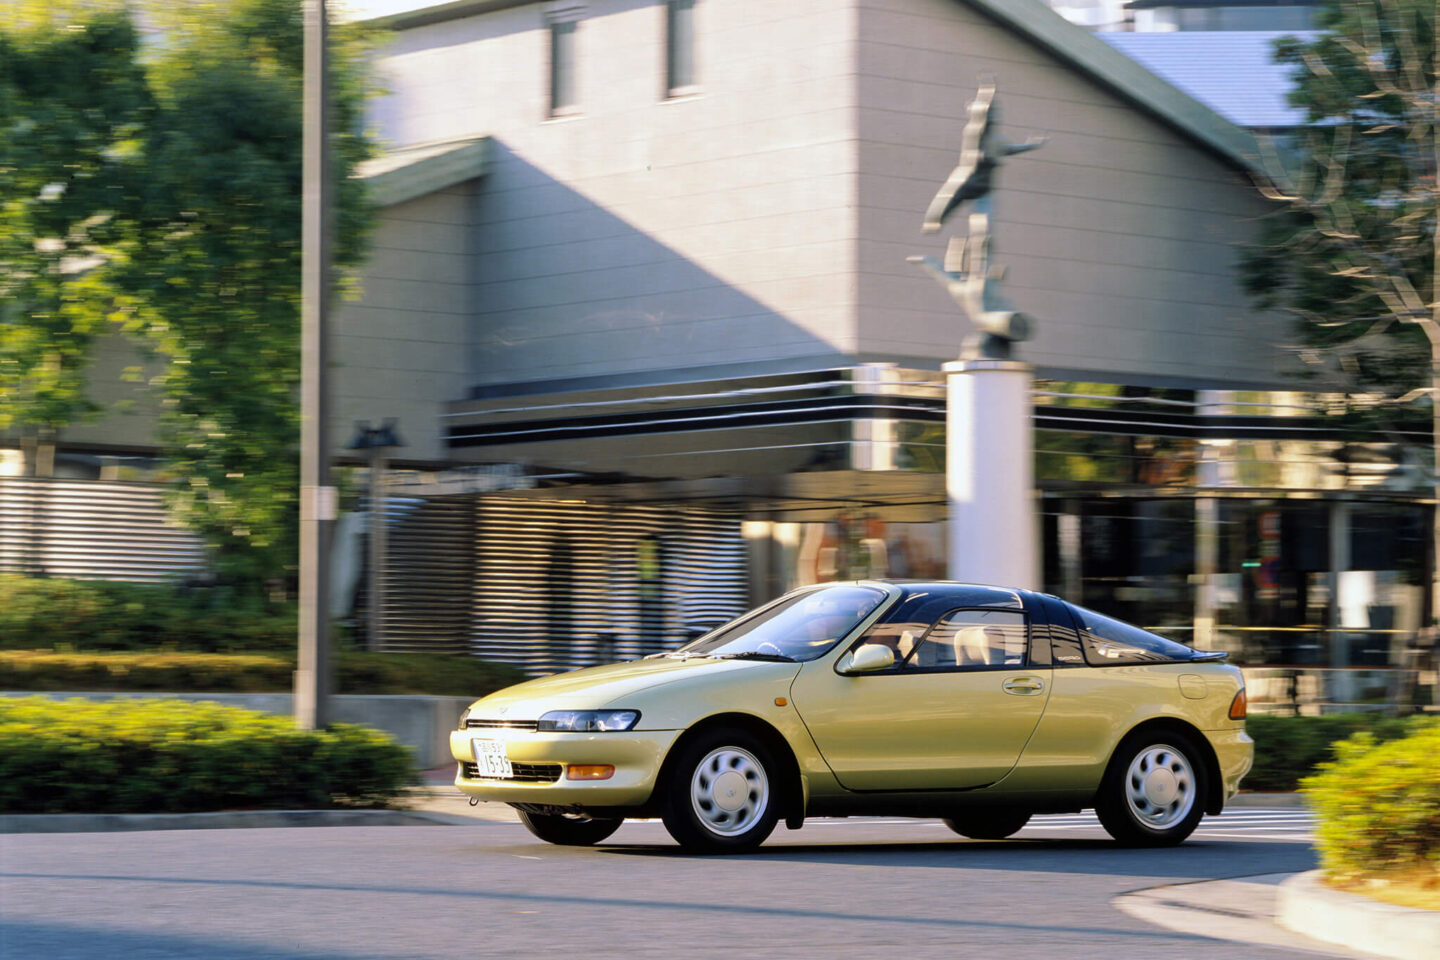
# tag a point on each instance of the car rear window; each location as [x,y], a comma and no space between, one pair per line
[1110,642]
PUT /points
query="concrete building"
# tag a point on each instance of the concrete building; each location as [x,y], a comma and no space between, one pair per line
[640,304]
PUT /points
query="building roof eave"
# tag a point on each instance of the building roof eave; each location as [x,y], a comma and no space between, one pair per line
[1034,20]
[414,171]
[1078,47]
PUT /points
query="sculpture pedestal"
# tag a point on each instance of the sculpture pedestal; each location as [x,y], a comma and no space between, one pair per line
[990,473]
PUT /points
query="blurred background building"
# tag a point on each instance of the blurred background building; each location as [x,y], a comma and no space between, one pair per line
[639,303]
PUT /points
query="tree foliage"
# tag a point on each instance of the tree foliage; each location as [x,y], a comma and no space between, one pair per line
[1352,250]
[217,261]
[73,104]
[181,165]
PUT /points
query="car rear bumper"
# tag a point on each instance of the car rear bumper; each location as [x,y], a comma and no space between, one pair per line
[1235,752]
[540,761]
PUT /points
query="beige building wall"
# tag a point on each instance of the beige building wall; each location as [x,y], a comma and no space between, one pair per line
[1120,234]
[399,350]
[646,233]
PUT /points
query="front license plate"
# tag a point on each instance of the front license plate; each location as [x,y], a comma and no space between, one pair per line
[491,761]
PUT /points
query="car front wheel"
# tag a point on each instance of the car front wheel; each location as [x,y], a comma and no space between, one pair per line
[1153,793]
[988,824]
[722,795]
[568,830]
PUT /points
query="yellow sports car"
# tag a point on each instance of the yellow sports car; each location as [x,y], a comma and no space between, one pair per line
[979,705]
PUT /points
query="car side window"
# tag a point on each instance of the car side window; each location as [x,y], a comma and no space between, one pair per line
[1109,642]
[971,640]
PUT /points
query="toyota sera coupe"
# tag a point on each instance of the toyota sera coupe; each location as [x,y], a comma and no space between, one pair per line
[979,705]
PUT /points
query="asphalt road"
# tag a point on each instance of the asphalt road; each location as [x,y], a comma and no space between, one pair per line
[836,889]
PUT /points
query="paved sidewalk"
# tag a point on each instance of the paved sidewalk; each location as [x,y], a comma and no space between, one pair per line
[1242,909]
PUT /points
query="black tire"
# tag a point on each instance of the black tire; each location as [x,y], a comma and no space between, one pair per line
[723,793]
[1153,793]
[988,824]
[568,830]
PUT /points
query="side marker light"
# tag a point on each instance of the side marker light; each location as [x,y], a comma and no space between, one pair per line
[781,701]
[1238,706]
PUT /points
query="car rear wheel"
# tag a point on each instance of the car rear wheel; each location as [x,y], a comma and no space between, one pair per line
[722,795]
[1153,793]
[568,829]
[988,824]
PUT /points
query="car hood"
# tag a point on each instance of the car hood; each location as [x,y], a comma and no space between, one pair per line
[595,687]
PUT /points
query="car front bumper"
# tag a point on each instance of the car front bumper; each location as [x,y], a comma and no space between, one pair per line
[540,761]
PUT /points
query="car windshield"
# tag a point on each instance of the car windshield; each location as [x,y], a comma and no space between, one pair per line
[801,626]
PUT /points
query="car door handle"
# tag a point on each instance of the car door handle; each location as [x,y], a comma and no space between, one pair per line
[1024,686]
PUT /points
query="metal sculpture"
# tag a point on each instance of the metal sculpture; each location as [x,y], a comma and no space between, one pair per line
[966,273]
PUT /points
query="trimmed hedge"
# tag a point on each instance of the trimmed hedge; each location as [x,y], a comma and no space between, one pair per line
[169,756]
[107,615]
[355,672]
[1379,806]
[1288,749]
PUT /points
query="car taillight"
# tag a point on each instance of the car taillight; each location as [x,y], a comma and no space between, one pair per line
[1238,705]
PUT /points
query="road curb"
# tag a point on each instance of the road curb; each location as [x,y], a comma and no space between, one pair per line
[1265,800]
[218,820]
[1305,905]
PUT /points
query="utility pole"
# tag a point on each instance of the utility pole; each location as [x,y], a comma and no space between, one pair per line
[317,496]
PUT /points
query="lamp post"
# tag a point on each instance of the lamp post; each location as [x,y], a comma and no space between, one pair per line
[317,496]
[375,441]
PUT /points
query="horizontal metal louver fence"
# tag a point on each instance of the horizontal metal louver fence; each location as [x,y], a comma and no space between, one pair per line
[92,530]
[565,584]
[429,574]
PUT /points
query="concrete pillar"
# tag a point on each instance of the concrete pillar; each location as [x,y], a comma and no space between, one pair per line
[989,473]
[1207,567]
[1339,563]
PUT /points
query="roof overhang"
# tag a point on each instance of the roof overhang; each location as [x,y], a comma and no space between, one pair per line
[1091,55]
[414,171]
[1029,18]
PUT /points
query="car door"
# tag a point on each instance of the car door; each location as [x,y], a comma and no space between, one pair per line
[954,712]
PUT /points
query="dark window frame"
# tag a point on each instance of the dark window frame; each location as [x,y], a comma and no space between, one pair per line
[564,93]
[682,73]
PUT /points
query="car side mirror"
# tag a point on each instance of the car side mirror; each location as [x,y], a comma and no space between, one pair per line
[868,658]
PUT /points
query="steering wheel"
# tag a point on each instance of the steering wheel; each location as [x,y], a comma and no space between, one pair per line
[767,643]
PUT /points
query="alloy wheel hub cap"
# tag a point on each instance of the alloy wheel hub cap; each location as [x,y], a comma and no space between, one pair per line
[1161,787]
[730,790]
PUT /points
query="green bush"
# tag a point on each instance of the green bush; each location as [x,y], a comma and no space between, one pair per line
[169,756]
[109,615]
[356,672]
[1290,748]
[1379,805]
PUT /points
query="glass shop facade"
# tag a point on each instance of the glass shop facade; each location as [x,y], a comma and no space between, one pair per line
[1290,529]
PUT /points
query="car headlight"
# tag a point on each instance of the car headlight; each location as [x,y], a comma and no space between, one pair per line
[582,721]
[465,716]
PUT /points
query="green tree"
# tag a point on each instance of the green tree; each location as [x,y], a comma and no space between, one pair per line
[1351,250]
[157,184]
[217,260]
[73,101]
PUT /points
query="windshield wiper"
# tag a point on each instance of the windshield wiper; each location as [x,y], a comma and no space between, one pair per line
[756,655]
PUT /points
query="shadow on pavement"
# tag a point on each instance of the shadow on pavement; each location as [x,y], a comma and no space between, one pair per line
[1195,860]
[474,897]
[50,941]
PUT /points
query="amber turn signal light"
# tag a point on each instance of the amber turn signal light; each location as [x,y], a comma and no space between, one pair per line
[589,771]
[1237,706]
